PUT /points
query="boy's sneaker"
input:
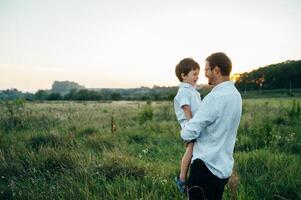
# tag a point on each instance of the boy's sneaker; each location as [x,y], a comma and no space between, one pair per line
[180,185]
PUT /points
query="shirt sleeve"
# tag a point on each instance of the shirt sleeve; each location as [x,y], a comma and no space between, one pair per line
[206,115]
[184,97]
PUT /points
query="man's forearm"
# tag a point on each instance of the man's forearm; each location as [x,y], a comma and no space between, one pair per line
[201,119]
[189,132]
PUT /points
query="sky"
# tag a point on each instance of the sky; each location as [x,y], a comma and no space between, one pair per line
[134,43]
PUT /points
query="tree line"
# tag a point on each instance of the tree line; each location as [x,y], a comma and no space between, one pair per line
[92,95]
[155,93]
[285,75]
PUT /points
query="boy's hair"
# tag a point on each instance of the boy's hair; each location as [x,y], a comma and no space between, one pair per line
[221,60]
[185,66]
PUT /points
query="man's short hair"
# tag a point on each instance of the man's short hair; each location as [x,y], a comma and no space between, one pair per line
[185,66]
[221,60]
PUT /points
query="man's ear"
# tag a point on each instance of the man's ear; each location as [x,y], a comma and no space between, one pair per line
[216,70]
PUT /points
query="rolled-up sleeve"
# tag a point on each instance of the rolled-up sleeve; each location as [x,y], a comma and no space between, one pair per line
[205,116]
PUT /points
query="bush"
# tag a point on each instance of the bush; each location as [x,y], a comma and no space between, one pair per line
[146,114]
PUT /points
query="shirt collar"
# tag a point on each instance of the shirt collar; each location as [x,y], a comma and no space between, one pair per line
[223,84]
[186,85]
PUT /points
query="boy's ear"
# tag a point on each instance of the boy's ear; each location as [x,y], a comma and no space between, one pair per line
[182,75]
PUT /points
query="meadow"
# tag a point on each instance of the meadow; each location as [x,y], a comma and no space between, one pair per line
[132,150]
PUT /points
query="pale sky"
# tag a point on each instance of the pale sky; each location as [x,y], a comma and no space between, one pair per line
[133,43]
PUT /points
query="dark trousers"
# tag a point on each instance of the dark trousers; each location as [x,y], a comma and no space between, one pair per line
[202,184]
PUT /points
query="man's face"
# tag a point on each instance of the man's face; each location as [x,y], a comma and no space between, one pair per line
[209,73]
[192,77]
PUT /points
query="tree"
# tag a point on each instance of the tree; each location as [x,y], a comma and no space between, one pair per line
[41,95]
[64,87]
[54,96]
[116,96]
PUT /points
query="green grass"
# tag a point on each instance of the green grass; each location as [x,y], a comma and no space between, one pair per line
[272,93]
[66,150]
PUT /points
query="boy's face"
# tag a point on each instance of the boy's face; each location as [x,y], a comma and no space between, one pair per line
[192,77]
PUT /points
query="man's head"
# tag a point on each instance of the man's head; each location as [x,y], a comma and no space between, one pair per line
[218,68]
[187,70]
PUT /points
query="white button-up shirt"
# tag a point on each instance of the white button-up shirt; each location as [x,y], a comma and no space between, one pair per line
[214,126]
[186,95]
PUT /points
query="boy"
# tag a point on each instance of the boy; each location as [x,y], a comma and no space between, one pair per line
[186,103]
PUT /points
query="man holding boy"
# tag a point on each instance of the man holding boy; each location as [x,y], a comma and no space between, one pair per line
[214,127]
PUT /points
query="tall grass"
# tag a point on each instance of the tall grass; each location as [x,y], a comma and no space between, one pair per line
[67,150]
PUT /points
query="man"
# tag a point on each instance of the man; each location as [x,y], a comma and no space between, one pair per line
[214,126]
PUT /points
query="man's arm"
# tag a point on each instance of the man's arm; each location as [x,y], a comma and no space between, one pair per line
[205,116]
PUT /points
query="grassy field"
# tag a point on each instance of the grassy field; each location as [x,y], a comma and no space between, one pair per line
[70,150]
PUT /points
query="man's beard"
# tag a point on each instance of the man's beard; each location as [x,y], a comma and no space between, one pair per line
[211,80]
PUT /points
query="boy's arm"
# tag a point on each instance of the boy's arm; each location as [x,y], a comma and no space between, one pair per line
[187,112]
[188,115]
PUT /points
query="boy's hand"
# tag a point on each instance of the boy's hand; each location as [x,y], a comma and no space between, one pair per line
[187,111]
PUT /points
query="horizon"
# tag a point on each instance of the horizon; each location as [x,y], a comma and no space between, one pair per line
[116,44]
[141,86]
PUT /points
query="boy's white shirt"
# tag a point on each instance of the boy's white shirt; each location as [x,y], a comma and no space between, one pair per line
[186,95]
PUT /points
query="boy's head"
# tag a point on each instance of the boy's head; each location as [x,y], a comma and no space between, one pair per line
[186,66]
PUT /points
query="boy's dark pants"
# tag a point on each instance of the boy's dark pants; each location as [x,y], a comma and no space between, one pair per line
[202,184]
